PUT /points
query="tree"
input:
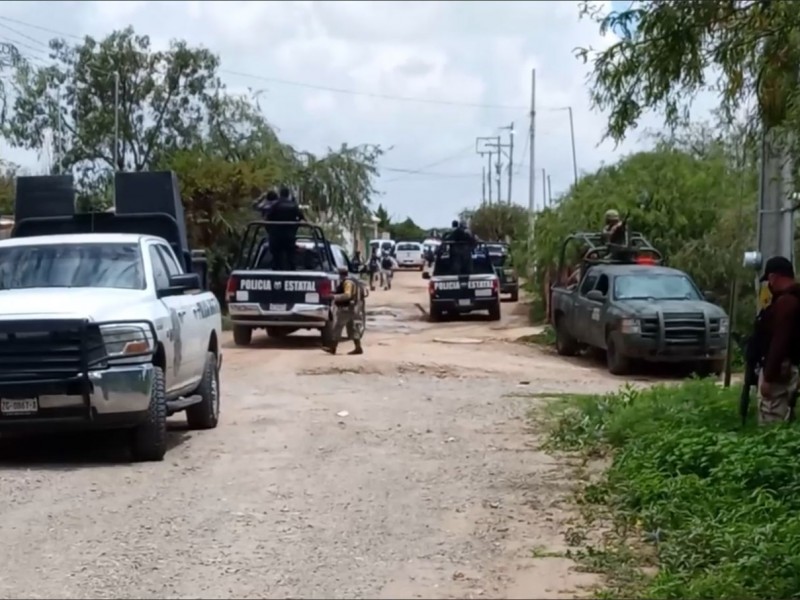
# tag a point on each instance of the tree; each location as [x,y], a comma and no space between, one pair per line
[384,220]
[164,101]
[498,222]
[10,58]
[7,173]
[667,49]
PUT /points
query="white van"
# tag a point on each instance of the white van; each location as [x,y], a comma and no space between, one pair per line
[381,246]
[409,254]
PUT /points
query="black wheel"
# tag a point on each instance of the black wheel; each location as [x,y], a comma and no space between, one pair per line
[435,313]
[617,363]
[327,333]
[515,295]
[280,332]
[149,439]
[242,335]
[494,312]
[566,345]
[205,414]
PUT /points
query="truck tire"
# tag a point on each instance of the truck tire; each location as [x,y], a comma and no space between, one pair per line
[494,312]
[280,332]
[515,295]
[566,345]
[149,439]
[242,335]
[205,414]
[435,314]
[618,364]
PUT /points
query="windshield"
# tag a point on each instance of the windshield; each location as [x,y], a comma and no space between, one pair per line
[656,287]
[408,247]
[496,248]
[72,265]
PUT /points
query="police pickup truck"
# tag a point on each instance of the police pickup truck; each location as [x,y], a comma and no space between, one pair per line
[453,292]
[259,297]
[103,324]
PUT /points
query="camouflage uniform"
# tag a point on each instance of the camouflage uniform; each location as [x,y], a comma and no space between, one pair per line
[777,405]
[348,315]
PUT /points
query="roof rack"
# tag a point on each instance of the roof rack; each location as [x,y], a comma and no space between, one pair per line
[638,250]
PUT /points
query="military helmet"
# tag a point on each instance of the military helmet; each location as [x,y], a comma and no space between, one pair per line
[612,215]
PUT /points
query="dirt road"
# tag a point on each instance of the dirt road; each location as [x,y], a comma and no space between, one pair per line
[406,472]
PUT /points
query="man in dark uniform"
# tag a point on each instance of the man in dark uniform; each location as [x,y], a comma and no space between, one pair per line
[349,302]
[778,380]
[282,238]
[461,249]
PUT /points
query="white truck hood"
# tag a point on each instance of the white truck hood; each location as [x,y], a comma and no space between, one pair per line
[98,304]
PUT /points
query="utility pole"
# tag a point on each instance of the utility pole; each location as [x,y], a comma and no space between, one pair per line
[500,149]
[544,188]
[532,166]
[499,168]
[57,136]
[483,147]
[549,192]
[510,159]
[116,121]
[483,185]
[572,137]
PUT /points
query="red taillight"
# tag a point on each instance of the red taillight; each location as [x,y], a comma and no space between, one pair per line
[495,284]
[431,288]
[230,288]
[324,288]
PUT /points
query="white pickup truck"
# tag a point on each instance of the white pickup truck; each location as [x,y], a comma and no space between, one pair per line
[105,330]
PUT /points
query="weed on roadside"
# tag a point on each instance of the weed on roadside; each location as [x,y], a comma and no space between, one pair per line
[546,337]
[717,506]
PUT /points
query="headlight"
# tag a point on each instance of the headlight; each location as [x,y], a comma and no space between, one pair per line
[630,326]
[724,323]
[127,339]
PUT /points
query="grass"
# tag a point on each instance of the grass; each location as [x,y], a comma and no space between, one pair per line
[714,506]
[546,337]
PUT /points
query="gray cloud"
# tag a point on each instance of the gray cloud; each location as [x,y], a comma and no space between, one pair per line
[478,53]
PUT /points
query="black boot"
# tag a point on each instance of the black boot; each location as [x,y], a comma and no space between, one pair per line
[330,349]
[358,349]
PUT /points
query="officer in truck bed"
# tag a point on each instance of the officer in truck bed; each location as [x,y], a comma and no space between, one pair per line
[283,238]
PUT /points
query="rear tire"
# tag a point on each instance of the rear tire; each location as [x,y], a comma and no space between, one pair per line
[566,345]
[242,335]
[435,313]
[494,312]
[327,333]
[205,414]
[515,295]
[149,439]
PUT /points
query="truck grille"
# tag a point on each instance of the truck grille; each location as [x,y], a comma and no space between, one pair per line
[47,350]
[681,329]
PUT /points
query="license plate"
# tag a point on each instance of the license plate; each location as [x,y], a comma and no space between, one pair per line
[483,293]
[277,307]
[464,302]
[19,407]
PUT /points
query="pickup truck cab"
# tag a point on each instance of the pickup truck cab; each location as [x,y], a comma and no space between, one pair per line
[453,293]
[500,256]
[105,330]
[638,310]
[282,302]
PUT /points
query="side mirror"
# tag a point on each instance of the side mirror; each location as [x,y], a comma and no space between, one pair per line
[710,296]
[180,284]
[596,295]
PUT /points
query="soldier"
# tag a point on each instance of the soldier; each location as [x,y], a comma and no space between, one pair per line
[282,238]
[778,380]
[348,299]
[614,229]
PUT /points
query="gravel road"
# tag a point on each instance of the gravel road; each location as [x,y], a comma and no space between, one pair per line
[407,472]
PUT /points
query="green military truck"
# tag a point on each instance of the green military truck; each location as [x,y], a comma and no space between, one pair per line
[625,302]
[501,261]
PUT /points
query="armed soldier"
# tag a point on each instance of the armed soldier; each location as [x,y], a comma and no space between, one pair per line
[348,298]
[282,238]
[614,229]
[780,326]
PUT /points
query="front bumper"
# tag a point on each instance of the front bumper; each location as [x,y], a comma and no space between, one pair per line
[253,314]
[114,397]
[458,304]
[653,350]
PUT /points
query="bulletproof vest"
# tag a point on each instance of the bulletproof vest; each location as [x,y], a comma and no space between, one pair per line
[386,262]
[758,344]
[340,290]
[284,210]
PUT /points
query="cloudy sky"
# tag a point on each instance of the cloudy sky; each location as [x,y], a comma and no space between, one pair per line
[422,78]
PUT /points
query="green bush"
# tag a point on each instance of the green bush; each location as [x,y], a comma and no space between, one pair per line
[720,504]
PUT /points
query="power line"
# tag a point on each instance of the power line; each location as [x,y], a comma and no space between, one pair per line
[325,88]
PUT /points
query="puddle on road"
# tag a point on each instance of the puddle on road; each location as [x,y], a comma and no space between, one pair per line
[394,320]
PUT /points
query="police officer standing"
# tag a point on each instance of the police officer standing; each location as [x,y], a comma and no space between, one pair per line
[778,380]
[348,299]
[283,238]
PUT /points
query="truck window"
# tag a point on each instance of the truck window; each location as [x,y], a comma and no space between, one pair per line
[89,265]
[160,275]
[588,283]
[602,284]
[657,287]
[173,268]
